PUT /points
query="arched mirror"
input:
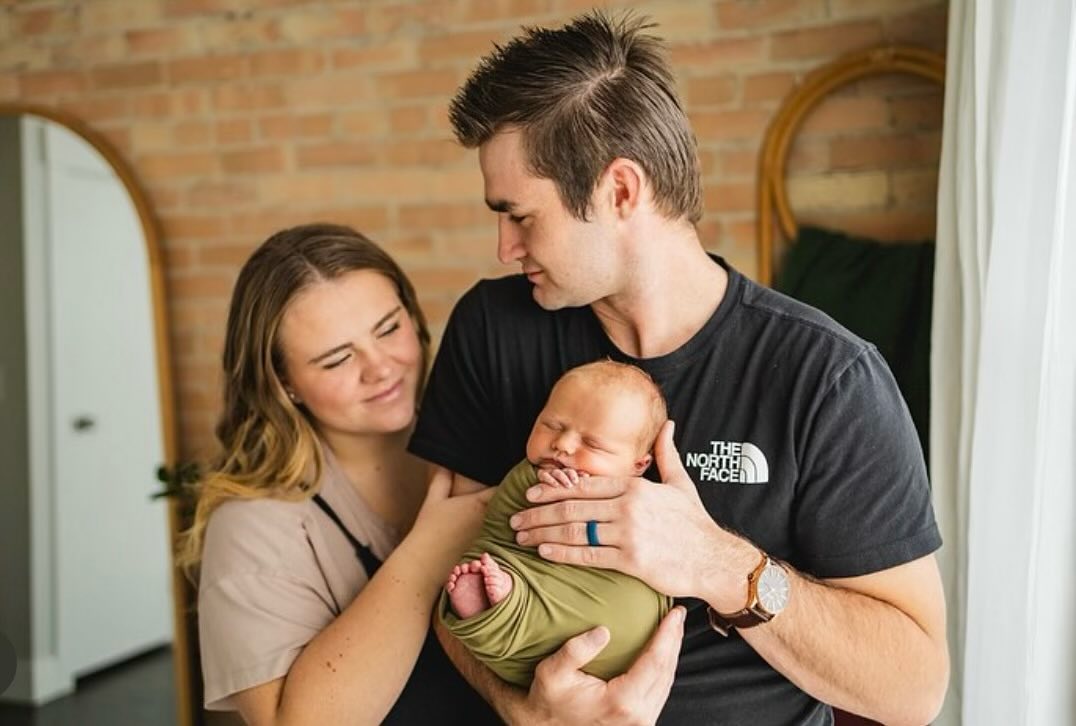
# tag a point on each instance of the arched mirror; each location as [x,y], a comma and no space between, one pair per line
[86,414]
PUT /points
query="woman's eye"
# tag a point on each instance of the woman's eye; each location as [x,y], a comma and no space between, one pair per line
[336,363]
[389,330]
[515,219]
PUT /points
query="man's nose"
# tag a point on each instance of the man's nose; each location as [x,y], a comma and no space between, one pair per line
[509,247]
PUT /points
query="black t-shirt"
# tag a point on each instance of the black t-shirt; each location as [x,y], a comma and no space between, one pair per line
[791,427]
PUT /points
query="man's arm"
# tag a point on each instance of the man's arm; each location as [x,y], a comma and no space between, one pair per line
[507,700]
[563,694]
[874,645]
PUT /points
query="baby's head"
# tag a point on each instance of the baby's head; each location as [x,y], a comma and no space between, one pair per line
[601,418]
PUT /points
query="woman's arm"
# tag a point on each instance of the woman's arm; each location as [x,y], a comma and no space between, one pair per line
[354,670]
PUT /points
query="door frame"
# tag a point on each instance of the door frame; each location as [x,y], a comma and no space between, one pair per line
[47,671]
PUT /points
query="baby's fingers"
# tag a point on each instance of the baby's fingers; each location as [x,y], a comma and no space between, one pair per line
[566,478]
[550,477]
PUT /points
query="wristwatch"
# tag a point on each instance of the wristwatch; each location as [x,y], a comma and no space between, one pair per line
[767,595]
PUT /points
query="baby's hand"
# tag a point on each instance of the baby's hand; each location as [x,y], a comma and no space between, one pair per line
[566,477]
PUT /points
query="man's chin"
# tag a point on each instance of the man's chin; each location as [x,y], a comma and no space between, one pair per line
[544,301]
[552,302]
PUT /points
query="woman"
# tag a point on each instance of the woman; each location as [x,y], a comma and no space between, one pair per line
[324,360]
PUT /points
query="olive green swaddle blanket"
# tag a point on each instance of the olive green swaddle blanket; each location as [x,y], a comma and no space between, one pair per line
[549,602]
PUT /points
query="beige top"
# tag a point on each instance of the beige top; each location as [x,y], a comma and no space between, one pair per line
[274,574]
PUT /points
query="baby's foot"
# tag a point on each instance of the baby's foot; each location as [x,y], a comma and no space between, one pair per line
[466,590]
[498,582]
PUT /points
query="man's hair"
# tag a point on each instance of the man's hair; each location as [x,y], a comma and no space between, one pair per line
[583,95]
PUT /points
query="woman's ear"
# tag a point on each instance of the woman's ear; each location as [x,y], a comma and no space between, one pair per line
[289,391]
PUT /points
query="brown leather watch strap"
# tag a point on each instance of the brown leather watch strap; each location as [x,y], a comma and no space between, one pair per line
[750,615]
[745,618]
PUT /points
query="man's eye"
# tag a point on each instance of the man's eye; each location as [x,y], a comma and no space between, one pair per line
[515,219]
[336,363]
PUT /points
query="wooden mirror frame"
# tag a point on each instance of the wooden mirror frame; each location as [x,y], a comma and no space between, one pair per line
[181,589]
[773,157]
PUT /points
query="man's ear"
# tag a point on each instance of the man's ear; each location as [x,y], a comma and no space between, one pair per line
[643,464]
[626,185]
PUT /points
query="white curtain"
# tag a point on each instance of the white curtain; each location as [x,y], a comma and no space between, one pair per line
[1003,367]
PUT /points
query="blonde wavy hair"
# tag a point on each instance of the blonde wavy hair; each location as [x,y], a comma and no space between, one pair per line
[269,446]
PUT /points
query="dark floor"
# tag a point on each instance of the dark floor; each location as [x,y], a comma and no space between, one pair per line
[137,692]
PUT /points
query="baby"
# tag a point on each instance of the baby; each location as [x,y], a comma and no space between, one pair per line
[512,608]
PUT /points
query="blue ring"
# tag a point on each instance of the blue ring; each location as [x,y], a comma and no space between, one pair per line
[592,533]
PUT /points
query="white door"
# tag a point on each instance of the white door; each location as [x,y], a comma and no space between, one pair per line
[112,562]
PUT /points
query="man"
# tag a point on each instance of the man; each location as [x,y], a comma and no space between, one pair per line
[796,525]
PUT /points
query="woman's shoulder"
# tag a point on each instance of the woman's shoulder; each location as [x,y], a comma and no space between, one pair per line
[265,535]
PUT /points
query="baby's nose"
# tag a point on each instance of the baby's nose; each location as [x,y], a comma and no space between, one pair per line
[566,442]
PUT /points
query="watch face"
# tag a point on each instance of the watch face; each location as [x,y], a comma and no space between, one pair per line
[773,589]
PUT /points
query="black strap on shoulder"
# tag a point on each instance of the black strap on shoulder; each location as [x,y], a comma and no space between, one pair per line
[368,559]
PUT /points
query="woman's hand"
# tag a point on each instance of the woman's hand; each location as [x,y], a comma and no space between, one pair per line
[460,483]
[449,520]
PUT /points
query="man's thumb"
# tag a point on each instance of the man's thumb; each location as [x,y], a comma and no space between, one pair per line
[583,648]
[668,458]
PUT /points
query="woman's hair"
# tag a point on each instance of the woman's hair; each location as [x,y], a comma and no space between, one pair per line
[598,89]
[269,445]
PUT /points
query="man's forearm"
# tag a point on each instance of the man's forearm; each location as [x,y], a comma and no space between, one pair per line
[857,652]
[506,699]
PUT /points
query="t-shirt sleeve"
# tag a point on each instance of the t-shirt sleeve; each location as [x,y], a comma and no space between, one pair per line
[457,407]
[864,503]
[252,628]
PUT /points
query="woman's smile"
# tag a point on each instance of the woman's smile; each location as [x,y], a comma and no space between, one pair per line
[387,395]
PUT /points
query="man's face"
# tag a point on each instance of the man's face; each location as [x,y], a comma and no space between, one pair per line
[570,262]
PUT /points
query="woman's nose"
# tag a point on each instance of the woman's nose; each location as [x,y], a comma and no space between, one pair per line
[376,366]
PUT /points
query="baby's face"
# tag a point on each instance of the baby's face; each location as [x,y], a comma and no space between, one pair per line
[593,429]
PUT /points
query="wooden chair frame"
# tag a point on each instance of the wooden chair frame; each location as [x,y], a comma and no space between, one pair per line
[772,196]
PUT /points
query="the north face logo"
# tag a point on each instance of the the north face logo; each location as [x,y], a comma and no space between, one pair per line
[729,461]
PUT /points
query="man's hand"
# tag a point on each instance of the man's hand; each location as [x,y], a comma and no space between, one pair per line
[659,533]
[562,694]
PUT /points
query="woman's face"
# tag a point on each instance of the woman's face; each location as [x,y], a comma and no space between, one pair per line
[352,355]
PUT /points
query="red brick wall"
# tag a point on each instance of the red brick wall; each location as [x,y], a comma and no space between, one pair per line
[243,116]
